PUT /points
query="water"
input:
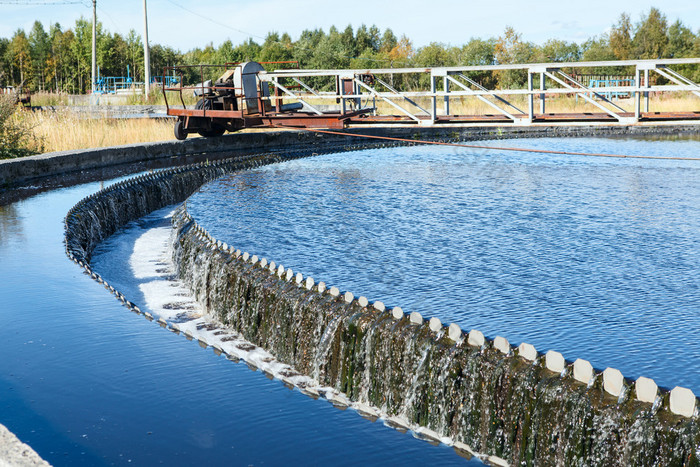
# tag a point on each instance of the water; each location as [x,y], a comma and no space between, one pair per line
[596,258]
[85,382]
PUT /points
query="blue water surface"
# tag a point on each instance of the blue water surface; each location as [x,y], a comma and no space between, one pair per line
[598,258]
[86,382]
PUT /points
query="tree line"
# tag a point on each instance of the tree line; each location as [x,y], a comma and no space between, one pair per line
[59,59]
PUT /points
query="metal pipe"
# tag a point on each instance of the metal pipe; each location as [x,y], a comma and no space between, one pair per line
[94,45]
[530,98]
[146,53]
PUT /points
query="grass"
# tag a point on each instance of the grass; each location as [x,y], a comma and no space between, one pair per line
[65,130]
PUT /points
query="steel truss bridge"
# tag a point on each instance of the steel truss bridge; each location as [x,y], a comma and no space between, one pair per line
[335,99]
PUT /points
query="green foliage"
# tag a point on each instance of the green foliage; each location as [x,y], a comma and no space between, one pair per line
[59,59]
[650,38]
[621,38]
[16,138]
[510,48]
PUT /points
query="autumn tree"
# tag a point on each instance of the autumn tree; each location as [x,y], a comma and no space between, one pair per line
[621,38]
[20,55]
[510,48]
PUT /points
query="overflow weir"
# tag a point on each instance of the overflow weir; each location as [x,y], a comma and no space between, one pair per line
[448,385]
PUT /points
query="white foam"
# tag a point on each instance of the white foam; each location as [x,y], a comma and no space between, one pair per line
[138,261]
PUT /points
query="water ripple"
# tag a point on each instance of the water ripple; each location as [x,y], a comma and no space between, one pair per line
[596,258]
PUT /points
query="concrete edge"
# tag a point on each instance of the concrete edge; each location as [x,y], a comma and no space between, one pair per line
[14,452]
[15,172]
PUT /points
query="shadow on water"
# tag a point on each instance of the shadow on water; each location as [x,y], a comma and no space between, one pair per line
[47,439]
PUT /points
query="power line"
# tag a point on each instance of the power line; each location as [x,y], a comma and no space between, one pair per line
[41,2]
[214,21]
[276,42]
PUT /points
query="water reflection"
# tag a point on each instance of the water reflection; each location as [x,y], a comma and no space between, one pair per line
[10,224]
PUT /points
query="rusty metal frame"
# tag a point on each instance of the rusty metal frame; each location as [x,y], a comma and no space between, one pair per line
[454,83]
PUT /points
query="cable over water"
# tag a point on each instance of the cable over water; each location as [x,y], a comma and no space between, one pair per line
[497,148]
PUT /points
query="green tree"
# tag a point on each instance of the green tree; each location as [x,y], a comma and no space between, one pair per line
[347,40]
[479,52]
[20,53]
[681,40]
[682,43]
[134,54]
[555,50]
[81,52]
[650,38]
[621,38]
[388,41]
[367,40]
[510,48]
[40,52]
[4,65]
[275,49]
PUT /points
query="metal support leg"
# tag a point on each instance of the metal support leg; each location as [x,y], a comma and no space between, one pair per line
[637,95]
[343,105]
[542,88]
[530,98]
[646,93]
[446,86]
[433,106]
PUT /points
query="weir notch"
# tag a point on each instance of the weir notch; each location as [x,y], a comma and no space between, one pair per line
[682,401]
[454,332]
[583,371]
[527,351]
[416,318]
[476,338]
[613,381]
[646,389]
[554,361]
[435,324]
[502,345]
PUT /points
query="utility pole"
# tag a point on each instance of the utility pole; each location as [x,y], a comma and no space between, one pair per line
[94,45]
[146,52]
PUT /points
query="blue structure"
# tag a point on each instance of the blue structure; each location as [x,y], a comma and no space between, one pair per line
[603,83]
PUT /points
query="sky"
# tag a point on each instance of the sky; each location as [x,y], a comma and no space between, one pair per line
[186,24]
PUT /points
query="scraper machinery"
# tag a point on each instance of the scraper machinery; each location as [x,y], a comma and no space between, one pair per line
[241,98]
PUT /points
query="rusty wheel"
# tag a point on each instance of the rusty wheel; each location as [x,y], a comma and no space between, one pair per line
[180,132]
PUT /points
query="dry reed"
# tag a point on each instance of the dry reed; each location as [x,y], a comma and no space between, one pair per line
[65,130]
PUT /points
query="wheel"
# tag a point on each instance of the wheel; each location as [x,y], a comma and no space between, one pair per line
[213,132]
[180,132]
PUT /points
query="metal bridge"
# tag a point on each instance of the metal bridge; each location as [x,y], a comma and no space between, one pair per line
[248,95]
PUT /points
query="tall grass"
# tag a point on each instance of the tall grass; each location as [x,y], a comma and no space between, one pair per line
[65,130]
[17,138]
